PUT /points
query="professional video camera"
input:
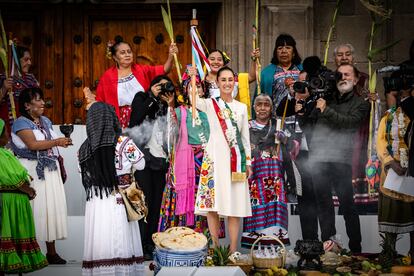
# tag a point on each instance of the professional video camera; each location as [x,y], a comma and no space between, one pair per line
[401,79]
[320,81]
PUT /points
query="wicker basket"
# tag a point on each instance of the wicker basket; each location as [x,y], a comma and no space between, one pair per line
[269,262]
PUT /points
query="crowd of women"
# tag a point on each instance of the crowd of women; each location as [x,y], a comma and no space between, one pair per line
[194,169]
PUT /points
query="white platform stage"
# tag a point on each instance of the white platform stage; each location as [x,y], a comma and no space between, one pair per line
[71,249]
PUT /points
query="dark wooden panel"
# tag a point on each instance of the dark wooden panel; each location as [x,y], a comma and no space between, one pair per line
[74,48]
[64,60]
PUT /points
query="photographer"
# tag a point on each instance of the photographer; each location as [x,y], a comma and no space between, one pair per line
[336,121]
[148,113]
[299,152]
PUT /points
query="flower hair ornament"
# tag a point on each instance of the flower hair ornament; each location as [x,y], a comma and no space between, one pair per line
[109,45]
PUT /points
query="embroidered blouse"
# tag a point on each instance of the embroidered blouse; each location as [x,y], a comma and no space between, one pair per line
[128,156]
[127,88]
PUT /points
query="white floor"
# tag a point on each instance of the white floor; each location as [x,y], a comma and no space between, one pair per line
[71,249]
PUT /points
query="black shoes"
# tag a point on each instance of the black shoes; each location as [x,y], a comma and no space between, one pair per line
[55,259]
[148,252]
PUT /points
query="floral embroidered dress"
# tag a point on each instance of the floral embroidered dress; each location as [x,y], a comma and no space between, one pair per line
[216,191]
[112,243]
[267,194]
[197,136]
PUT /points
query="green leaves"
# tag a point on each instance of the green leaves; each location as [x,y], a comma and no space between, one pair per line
[3,40]
[372,82]
[333,24]
[166,17]
[3,47]
[221,255]
[373,52]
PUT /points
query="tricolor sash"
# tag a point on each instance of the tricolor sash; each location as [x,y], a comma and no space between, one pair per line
[233,137]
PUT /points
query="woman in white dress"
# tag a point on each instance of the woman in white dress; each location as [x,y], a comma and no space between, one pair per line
[223,188]
[36,145]
[112,244]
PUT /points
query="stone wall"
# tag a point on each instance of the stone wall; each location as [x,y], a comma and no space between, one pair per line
[308,21]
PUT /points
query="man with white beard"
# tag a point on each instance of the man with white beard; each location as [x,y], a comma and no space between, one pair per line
[335,122]
[365,197]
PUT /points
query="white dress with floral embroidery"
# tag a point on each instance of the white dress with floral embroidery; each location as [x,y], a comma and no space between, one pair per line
[216,192]
[112,244]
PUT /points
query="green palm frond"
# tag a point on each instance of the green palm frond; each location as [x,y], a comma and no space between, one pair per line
[166,17]
[3,35]
[4,60]
[332,27]
[372,81]
[372,53]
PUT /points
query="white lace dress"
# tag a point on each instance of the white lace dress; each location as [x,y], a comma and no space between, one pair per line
[112,244]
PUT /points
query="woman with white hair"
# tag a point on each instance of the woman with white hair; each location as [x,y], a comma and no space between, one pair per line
[267,193]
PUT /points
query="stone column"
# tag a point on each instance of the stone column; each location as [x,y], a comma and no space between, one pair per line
[234,28]
[234,32]
[294,17]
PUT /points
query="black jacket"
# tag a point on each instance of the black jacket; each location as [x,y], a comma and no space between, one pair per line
[334,130]
[145,106]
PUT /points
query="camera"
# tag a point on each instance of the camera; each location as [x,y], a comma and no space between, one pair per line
[401,79]
[167,88]
[320,81]
[323,84]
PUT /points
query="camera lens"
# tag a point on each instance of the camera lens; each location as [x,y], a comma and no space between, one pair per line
[299,87]
[316,83]
[167,87]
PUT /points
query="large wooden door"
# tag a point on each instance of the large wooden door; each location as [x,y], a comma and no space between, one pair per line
[141,26]
[68,43]
[38,27]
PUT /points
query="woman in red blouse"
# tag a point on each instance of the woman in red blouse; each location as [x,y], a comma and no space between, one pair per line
[119,84]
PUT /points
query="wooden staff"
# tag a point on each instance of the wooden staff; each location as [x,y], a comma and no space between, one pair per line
[10,92]
[6,59]
[256,44]
[281,126]
[193,23]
